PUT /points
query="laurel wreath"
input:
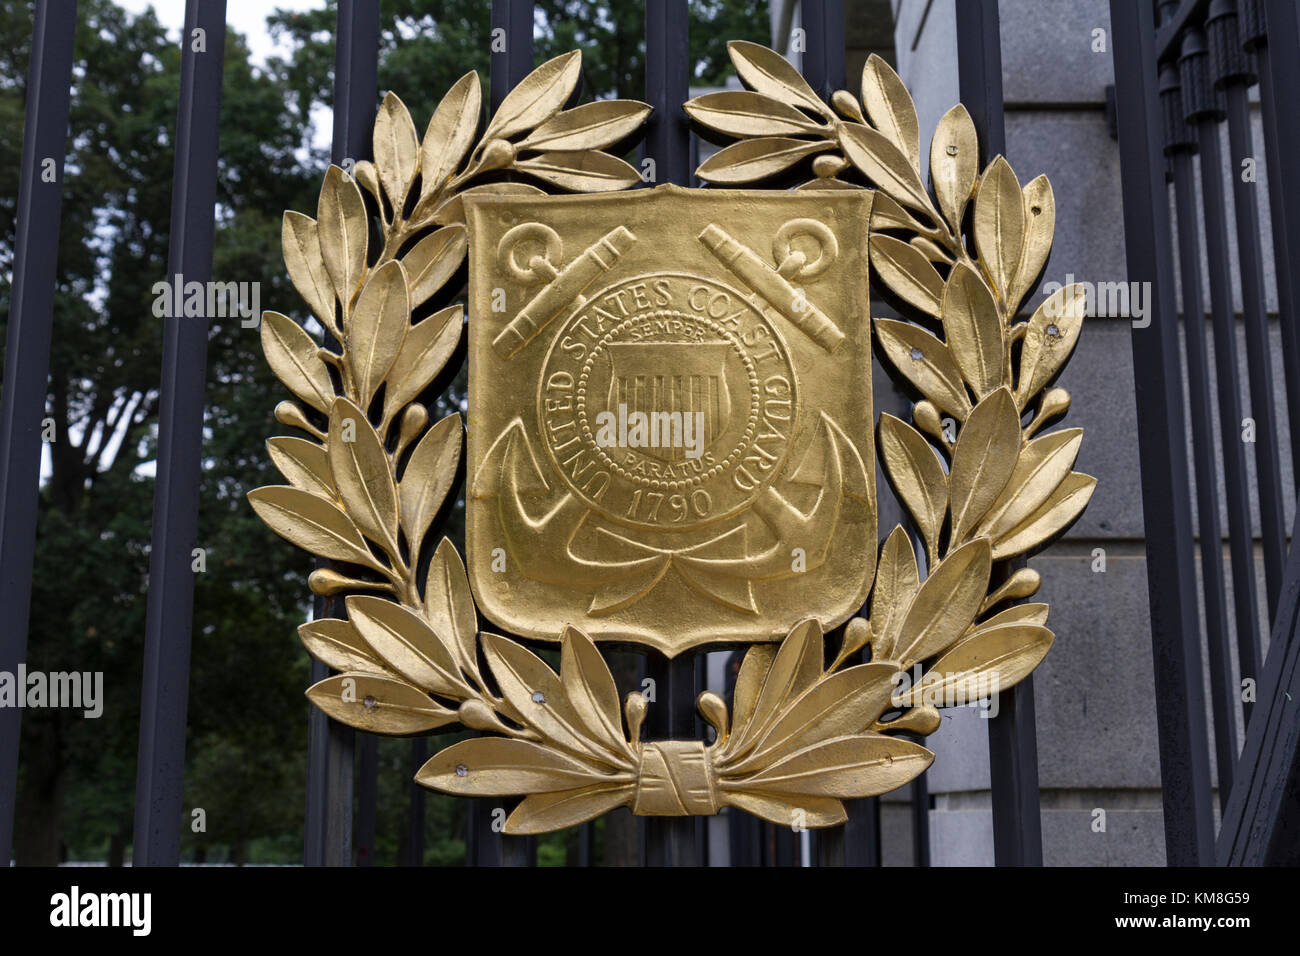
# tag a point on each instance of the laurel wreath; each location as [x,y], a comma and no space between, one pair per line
[366,488]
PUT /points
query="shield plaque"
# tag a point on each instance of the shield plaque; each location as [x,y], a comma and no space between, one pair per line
[670,426]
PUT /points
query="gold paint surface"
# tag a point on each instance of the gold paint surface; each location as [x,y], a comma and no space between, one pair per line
[669,301]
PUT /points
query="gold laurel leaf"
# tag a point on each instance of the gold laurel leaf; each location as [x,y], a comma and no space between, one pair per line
[379,325]
[766,71]
[367,176]
[917,720]
[1018,614]
[499,767]
[1040,219]
[544,812]
[882,162]
[841,704]
[908,273]
[397,148]
[362,475]
[926,363]
[995,660]
[342,225]
[449,606]
[434,260]
[379,705]
[537,97]
[313,523]
[999,225]
[930,250]
[897,581]
[335,643]
[973,330]
[1043,465]
[917,474]
[742,113]
[887,214]
[1053,517]
[988,447]
[406,644]
[844,767]
[293,357]
[796,667]
[590,126]
[452,211]
[428,478]
[749,681]
[300,241]
[450,134]
[425,350]
[304,464]
[1050,338]
[754,159]
[890,108]
[590,687]
[585,171]
[954,164]
[946,603]
[808,811]
[535,691]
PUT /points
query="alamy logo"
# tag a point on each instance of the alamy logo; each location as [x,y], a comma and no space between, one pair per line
[74,908]
[1112,300]
[651,430]
[211,300]
[76,690]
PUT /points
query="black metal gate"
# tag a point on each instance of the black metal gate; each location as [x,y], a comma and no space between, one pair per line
[1193,67]
[1176,84]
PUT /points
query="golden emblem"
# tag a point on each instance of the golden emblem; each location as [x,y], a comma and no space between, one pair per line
[663,422]
[671,440]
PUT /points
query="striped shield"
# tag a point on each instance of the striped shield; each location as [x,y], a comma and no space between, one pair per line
[676,379]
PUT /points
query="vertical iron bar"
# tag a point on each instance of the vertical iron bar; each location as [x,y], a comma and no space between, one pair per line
[822,61]
[1166,498]
[160,769]
[1222,691]
[1283,64]
[515,62]
[330,745]
[27,356]
[367,799]
[1233,74]
[1269,43]
[1261,824]
[920,822]
[415,813]
[1204,113]
[1180,145]
[587,844]
[670,841]
[1013,745]
[488,846]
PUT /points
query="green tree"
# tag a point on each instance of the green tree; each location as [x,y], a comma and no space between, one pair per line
[247,720]
[95,504]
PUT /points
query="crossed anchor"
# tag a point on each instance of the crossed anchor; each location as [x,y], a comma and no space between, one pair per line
[722,567]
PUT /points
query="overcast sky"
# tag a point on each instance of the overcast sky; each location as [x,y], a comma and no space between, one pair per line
[246,16]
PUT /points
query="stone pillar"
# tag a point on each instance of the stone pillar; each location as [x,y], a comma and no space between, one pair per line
[1095,707]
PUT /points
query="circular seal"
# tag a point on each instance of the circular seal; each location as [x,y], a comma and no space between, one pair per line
[667,401]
